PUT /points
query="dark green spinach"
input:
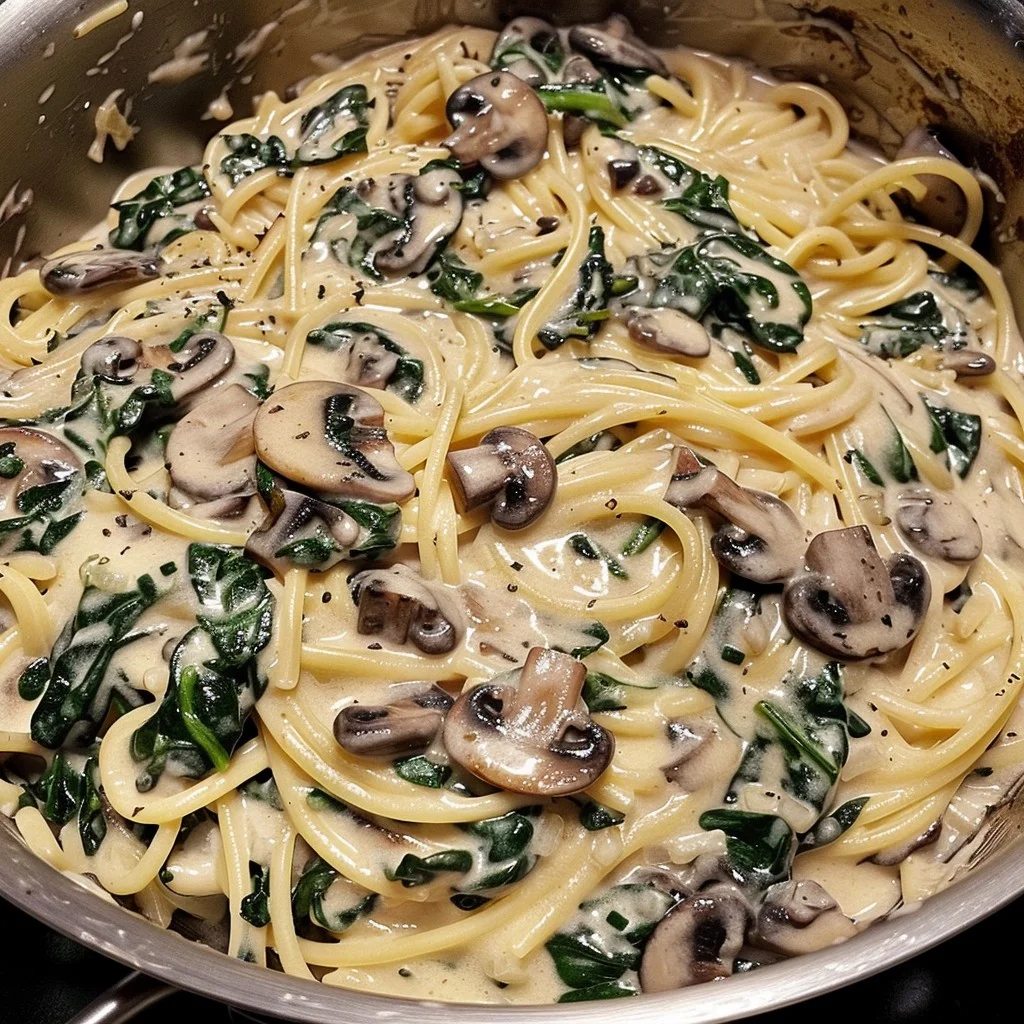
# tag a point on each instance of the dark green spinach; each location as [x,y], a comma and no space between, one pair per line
[158,201]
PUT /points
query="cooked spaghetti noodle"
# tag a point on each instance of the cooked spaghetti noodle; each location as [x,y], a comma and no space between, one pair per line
[721,319]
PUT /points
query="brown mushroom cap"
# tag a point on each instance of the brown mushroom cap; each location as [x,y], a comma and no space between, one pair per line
[614,42]
[45,460]
[850,604]
[82,272]
[406,726]
[398,604]
[330,438]
[295,517]
[799,916]
[536,737]
[938,525]
[511,470]
[668,330]
[696,941]
[114,359]
[763,539]
[968,362]
[500,123]
[210,451]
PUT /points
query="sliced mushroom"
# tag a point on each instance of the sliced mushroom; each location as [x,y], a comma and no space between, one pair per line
[968,362]
[763,539]
[115,359]
[897,853]
[82,272]
[36,460]
[944,204]
[300,530]
[526,33]
[938,525]
[614,42]
[211,455]
[668,330]
[849,603]
[200,361]
[536,737]
[500,123]
[696,941]
[511,471]
[366,360]
[331,438]
[700,755]
[577,69]
[799,917]
[401,606]
[407,726]
[430,208]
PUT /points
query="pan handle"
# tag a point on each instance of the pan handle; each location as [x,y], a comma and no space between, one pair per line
[121,1002]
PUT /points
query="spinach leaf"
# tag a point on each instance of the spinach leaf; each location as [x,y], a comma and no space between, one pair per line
[62,793]
[703,200]
[599,632]
[260,387]
[309,899]
[587,307]
[372,224]
[212,319]
[255,907]
[760,846]
[248,154]
[958,434]
[606,693]
[898,459]
[476,182]
[605,938]
[855,455]
[381,523]
[358,340]
[595,101]
[594,816]
[605,441]
[74,682]
[709,671]
[157,202]
[903,327]
[214,682]
[497,307]
[607,990]
[334,128]
[41,524]
[422,772]
[413,871]
[594,552]
[543,50]
[451,279]
[829,828]
[643,536]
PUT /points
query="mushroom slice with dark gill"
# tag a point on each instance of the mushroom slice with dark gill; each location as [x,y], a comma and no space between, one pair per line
[697,941]
[199,362]
[668,330]
[534,737]
[430,209]
[34,459]
[897,853]
[500,124]
[82,272]
[330,438]
[938,525]
[399,605]
[762,540]
[799,916]
[300,530]
[115,359]
[511,471]
[211,456]
[850,604]
[522,36]
[406,726]
[614,42]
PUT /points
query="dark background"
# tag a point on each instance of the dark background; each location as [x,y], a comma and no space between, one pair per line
[47,979]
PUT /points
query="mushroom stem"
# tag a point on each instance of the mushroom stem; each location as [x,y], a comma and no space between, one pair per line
[478,477]
[548,692]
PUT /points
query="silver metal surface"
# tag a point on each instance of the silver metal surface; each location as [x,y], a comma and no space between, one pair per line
[894,65]
[125,1000]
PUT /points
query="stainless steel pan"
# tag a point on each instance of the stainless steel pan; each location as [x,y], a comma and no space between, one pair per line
[894,65]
